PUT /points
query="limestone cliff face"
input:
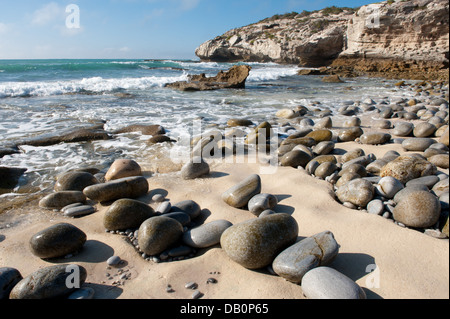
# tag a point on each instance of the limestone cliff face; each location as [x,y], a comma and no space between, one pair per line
[409,30]
[415,33]
[309,39]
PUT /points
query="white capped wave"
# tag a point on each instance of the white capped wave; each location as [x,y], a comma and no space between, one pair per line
[271,73]
[94,84]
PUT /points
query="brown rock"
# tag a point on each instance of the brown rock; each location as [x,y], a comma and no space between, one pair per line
[405,168]
[123,168]
[144,129]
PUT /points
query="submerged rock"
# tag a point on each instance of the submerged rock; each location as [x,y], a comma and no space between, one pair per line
[234,78]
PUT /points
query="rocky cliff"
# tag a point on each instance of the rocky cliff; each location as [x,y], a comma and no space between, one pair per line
[399,38]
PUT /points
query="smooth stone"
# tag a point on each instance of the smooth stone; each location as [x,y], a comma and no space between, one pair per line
[375,207]
[239,195]
[429,152]
[122,168]
[86,293]
[295,158]
[358,192]
[261,202]
[389,186]
[59,200]
[75,181]
[345,178]
[324,148]
[321,135]
[113,261]
[405,168]
[9,277]
[444,199]
[63,210]
[351,155]
[164,208]
[57,241]
[256,242]
[287,114]
[354,168]
[350,134]
[419,209]
[413,188]
[195,169]
[206,235]
[128,187]
[382,124]
[362,160]
[326,158]
[156,234]
[424,129]
[417,144]
[403,129]
[323,123]
[294,262]
[180,251]
[183,218]
[312,166]
[428,181]
[188,207]
[49,282]
[352,122]
[158,139]
[440,160]
[239,122]
[267,213]
[126,214]
[158,198]
[444,138]
[325,169]
[375,138]
[307,141]
[441,187]
[79,211]
[328,283]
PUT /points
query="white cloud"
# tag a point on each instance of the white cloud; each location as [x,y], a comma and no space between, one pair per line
[49,13]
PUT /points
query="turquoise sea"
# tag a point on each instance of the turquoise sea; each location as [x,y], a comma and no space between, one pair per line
[40,97]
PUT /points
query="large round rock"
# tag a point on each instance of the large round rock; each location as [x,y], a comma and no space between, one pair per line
[128,187]
[255,243]
[419,209]
[196,168]
[57,241]
[127,214]
[206,235]
[328,283]
[50,282]
[156,234]
[239,195]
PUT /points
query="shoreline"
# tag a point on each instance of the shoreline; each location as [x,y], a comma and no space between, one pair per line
[411,264]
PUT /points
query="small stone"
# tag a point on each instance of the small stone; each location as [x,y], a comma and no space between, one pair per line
[211,281]
[75,181]
[196,168]
[158,233]
[82,293]
[79,211]
[428,181]
[206,235]
[350,134]
[113,261]
[188,207]
[164,208]
[375,138]
[261,202]
[181,217]
[191,285]
[403,129]
[375,207]
[417,144]
[325,169]
[321,135]
[358,192]
[295,158]
[158,198]
[197,295]
[424,129]
[298,259]
[180,251]
[328,283]
[389,186]
[126,214]
[440,160]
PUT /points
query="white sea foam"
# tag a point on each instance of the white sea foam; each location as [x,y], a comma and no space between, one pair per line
[271,73]
[93,84]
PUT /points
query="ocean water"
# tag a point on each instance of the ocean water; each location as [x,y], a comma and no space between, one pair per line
[39,97]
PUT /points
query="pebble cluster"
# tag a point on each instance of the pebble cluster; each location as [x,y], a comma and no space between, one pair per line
[411,190]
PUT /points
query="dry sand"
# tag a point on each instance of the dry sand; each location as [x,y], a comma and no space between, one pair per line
[410,264]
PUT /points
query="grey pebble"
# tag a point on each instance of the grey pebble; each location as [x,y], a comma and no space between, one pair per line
[79,211]
[113,261]
[191,285]
[375,207]
[197,295]
[164,208]
[158,198]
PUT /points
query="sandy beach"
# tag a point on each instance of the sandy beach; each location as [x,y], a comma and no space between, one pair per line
[410,264]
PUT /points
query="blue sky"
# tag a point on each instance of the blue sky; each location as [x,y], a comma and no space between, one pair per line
[31,29]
